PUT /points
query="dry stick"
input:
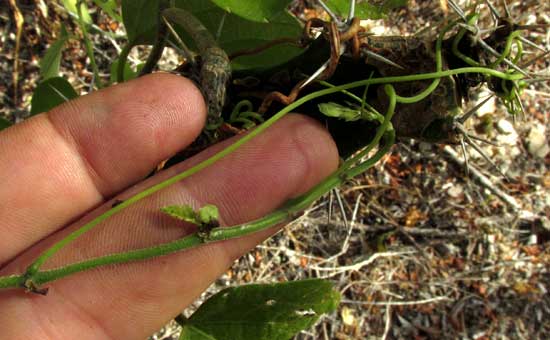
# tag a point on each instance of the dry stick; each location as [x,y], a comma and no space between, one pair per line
[398,303]
[425,232]
[336,270]
[388,317]
[483,180]
[19,20]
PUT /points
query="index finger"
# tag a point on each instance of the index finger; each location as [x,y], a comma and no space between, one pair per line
[58,165]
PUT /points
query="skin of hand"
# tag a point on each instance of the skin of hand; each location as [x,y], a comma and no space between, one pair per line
[58,170]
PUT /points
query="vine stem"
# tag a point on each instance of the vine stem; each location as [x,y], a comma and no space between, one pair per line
[33,269]
[286,212]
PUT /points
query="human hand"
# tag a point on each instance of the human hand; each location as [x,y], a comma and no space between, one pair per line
[59,169]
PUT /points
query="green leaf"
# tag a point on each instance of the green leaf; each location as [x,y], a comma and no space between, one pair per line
[209,214]
[140,18]
[110,7]
[239,34]
[347,113]
[70,5]
[141,22]
[182,212]
[253,10]
[4,123]
[50,93]
[49,65]
[339,111]
[191,333]
[265,312]
[365,9]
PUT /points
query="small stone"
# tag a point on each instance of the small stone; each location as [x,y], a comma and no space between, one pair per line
[455,191]
[504,126]
[531,19]
[348,317]
[489,107]
[507,133]
[537,143]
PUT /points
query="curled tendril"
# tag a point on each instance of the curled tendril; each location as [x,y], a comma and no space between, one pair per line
[243,113]
[508,91]
[513,38]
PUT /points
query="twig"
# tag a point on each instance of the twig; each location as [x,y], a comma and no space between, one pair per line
[357,266]
[19,21]
[483,180]
[425,232]
[387,325]
[343,224]
[397,303]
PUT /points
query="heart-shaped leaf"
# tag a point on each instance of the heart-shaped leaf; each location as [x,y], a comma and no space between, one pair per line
[254,10]
[237,34]
[50,93]
[141,22]
[49,64]
[141,19]
[264,312]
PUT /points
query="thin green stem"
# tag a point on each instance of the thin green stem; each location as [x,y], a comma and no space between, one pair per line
[33,269]
[390,91]
[519,54]
[286,212]
[507,48]
[362,167]
[347,93]
[283,214]
[438,68]
[107,9]
[11,281]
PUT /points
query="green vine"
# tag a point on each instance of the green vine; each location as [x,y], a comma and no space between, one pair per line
[243,113]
